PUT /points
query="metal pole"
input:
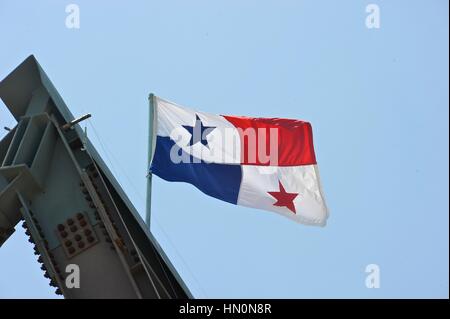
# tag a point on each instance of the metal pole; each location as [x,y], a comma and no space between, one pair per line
[75,122]
[151,111]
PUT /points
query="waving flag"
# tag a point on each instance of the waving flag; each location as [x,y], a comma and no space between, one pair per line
[265,163]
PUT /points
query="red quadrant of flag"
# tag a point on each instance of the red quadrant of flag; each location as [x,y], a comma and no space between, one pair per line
[295,140]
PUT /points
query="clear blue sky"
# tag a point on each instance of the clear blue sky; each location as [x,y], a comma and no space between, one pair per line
[377,99]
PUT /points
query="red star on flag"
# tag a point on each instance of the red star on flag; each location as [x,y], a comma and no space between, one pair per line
[284,199]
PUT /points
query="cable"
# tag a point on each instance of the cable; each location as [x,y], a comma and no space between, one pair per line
[142,201]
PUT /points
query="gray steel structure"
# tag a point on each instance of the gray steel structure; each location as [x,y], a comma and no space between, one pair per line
[74,210]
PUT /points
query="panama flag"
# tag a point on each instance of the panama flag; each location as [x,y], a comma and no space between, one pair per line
[264,163]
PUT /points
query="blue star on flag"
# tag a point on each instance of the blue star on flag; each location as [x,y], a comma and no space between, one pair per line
[198,132]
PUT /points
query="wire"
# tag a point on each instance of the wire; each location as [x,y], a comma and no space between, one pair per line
[105,151]
[181,258]
[110,155]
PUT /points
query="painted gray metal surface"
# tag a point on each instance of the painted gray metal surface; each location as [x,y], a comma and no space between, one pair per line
[57,182]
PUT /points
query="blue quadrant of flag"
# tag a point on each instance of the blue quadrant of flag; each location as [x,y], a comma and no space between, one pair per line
[221,181]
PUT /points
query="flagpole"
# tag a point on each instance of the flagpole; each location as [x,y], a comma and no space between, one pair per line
[151,111]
